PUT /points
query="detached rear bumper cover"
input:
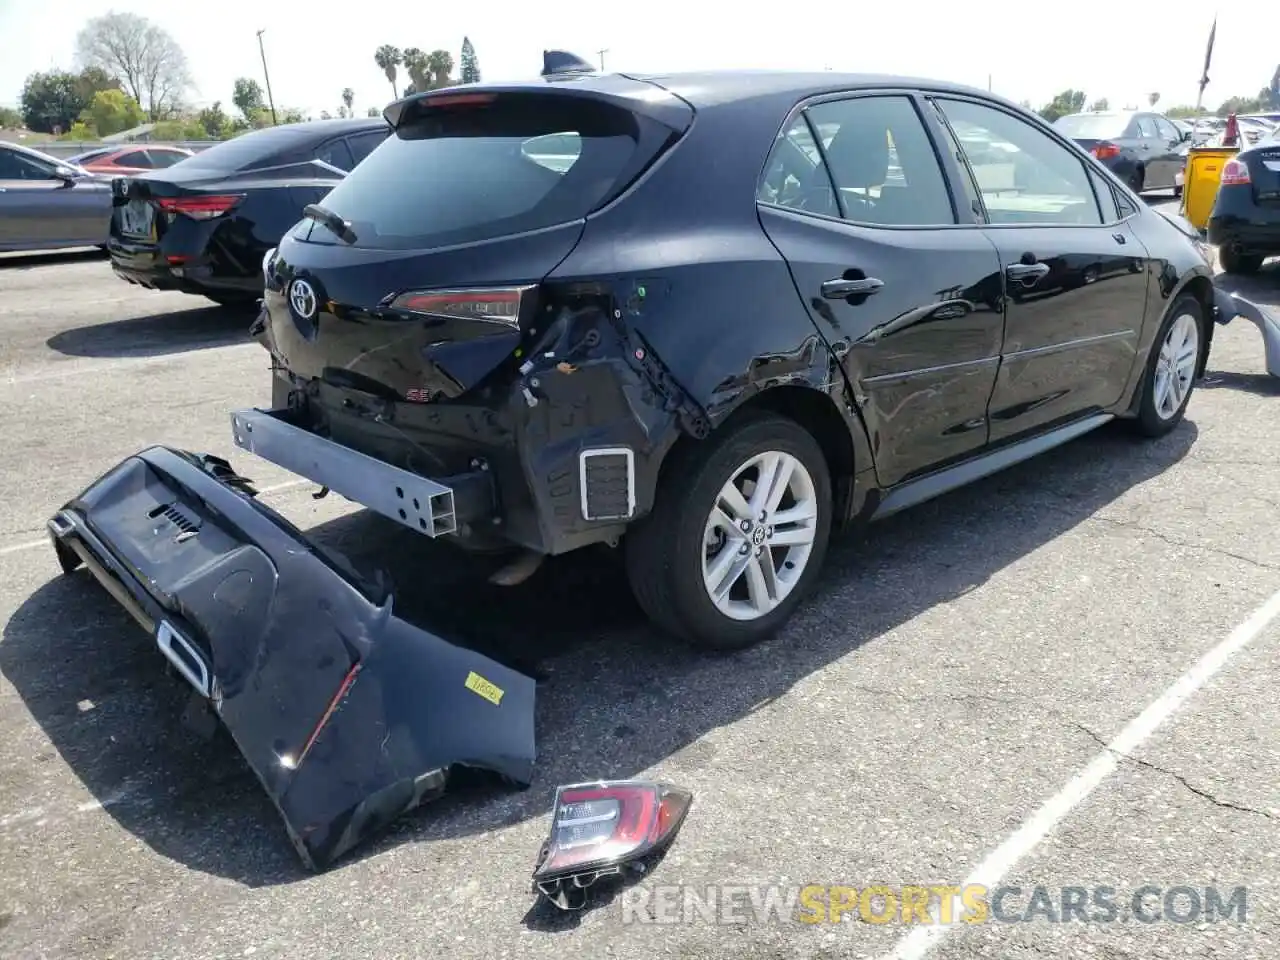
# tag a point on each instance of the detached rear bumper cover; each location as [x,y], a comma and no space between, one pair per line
[1230,305]
[348,715]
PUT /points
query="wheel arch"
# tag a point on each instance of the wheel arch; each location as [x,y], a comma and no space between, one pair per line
[839,433]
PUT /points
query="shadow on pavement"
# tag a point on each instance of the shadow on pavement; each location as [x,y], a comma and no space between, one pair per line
[157,335]
[614,697]
[1261,384]
[49,258]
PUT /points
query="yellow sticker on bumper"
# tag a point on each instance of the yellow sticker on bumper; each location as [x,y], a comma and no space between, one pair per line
[483,688]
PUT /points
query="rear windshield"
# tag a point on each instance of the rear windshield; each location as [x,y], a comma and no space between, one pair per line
[506,165]
[246,151]
[1093,126]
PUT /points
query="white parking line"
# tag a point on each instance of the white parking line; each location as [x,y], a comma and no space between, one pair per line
[997,865]
[44,542]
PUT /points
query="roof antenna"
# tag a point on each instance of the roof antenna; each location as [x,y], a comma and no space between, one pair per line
[560,62]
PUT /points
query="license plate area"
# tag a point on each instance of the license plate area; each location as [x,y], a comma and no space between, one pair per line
[137,219]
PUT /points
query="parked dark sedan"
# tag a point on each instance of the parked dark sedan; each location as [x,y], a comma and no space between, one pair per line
[1143,149]
[202,225]
[1245,221]
[49,204]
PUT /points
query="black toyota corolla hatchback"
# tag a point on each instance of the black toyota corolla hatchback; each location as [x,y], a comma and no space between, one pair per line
[711,318]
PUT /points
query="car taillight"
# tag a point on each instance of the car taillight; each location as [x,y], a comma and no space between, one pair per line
[200,208]
[1105,151]
[1235,172]
[596,828]
[496,304]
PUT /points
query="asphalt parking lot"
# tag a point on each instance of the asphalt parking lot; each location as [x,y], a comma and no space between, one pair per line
[963,664]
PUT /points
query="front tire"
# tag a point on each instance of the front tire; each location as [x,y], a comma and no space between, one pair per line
[1136,181]
[1176,359]
[737,535]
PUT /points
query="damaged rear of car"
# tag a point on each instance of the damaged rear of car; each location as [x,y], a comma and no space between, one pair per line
[416,319]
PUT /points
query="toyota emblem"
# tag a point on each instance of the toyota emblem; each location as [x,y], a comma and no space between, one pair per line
[302,297]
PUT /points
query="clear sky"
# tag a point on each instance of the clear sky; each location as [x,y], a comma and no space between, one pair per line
[1030,50]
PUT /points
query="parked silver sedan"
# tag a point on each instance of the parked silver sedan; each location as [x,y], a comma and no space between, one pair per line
[48,204]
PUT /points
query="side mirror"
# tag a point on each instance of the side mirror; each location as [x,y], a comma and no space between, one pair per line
[1186,135]
[65,174]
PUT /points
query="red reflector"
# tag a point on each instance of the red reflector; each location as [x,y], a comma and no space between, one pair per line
[500,305]
[200,208]
[1105,151]
[343,689]
[598,826]
[1235,172]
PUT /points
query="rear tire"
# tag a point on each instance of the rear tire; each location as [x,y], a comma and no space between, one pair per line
[1175,362]
[704,565]
[1233,261]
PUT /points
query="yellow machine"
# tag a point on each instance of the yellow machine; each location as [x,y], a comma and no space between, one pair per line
[1200,182]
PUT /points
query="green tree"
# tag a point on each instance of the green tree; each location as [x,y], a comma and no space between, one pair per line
[373,112]
[111,111]
[470,66]
[348,98]
[1068,101]
[248,97]
[1245,104]
[1153,99]
[92,79]
[1182,112]
[415,64]
[80,132]
[388,58]
[440,63]
[148,61]
[10,119]
[215,121]
[1101,105]
[293,115]
[51,102]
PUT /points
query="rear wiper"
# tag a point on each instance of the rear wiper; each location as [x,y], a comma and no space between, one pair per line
[313,211]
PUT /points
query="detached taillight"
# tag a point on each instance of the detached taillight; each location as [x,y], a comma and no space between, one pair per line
[200,208]
[492,304]
[1105,151]
[1234,173]
[597,828]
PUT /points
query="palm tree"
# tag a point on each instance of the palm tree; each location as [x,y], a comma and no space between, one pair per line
[440,63]
[415,62]
[388,58]
[348,98]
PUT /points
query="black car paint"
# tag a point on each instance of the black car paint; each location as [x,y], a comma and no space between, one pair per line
[1246,216]
[348,715]
[659,317]
[224,255]
[921,373]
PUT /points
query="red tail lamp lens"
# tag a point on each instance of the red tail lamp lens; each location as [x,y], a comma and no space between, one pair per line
[599,825]
[499,305]
[1104,151]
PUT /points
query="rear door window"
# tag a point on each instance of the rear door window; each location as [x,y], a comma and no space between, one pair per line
[876,152]
[490,167]
[363,144]
[136,158]
[335,153]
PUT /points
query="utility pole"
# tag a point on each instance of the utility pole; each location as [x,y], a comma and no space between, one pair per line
[267,76]
[988,83]
[602,53]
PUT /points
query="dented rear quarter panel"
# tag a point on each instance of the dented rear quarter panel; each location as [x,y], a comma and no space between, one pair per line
[720,311]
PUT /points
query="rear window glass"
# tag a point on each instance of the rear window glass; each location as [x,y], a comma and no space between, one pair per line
[479,171]
[1093,126]
[246,151]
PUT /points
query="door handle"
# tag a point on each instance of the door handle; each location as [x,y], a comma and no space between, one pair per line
[840,288]
[1027,273]
[1119,238]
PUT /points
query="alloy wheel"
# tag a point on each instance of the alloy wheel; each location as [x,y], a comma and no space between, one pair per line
[1176,366]
[759,535]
